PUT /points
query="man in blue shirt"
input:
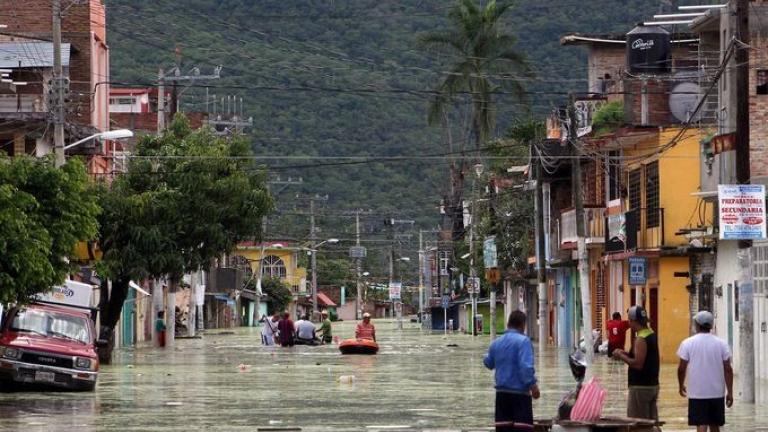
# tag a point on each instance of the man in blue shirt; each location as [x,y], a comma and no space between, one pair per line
[511,356]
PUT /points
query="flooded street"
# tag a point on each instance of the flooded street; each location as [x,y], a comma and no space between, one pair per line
[418,381]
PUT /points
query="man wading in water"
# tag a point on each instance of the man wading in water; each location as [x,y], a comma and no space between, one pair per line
[511,356]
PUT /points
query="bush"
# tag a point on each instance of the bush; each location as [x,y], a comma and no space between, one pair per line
[608,117]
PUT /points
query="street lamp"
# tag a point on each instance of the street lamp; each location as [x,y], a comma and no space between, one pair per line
[108,135]
[359,301]
[313,251]
[472,272]
[400,310]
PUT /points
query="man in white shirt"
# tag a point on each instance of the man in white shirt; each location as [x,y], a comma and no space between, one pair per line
[706,359]
[305,331]
[269,330]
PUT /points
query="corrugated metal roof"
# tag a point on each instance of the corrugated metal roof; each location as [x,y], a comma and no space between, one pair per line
[31,55]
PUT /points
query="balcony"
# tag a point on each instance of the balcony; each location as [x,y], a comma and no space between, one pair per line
[636,230]
[594,227]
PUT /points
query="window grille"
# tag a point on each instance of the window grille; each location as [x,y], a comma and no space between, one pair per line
[652,194]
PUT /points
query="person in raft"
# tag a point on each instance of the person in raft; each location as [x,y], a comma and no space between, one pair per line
[366,330]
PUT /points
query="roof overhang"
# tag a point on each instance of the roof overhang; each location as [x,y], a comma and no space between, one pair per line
[615,39]
[708,22]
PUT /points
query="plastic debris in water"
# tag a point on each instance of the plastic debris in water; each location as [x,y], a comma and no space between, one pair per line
[347,379]
[243,367]
[274,422]
[173,403]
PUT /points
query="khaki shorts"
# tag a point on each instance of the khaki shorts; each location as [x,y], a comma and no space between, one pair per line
[641,402]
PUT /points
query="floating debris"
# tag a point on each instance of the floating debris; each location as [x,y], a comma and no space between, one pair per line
[347,379]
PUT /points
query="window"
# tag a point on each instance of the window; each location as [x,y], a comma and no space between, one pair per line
[273,267]
[762,81]
[652,194]
[614,183]
[634,189]
[121,101]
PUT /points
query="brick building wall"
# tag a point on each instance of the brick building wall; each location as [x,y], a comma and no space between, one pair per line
[82,25]
[610,60]
[658,101]
[758,111]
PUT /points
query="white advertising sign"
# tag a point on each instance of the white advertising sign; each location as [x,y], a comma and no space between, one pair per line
[742,212]
[394,290]
[71,294]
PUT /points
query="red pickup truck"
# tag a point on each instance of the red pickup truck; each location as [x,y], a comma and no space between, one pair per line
[48,345]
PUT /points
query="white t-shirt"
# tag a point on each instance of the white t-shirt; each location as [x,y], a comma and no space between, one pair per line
[269,327]
[705,354]
[305,330]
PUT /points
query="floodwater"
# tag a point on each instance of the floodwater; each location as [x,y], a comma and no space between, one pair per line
[418,381]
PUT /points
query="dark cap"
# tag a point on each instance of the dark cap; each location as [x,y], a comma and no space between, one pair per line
[637,313]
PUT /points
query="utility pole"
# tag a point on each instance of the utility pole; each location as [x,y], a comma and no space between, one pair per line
[313,241]
[578,198]
[59,83]
[392,274]
[540,260]
[421,275]
[160,101]
[475,285]
[359,290]
[743,176]
[174,77]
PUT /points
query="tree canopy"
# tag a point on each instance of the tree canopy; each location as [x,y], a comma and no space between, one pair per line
[44,213]
[187,198]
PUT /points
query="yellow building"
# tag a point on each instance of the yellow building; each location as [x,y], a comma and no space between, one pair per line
[644,224]
[275,260]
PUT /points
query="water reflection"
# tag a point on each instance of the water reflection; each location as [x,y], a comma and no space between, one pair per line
[231,383]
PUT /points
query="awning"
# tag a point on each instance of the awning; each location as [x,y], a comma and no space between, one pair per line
[136,286]
[325,300]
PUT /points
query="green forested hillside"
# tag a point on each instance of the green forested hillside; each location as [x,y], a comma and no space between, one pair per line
[331,78]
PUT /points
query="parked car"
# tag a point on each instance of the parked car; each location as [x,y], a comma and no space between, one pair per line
[49,345]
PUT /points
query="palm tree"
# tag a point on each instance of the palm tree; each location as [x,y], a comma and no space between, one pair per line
[483,61]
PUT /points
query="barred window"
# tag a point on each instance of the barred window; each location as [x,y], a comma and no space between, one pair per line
[634,189]
[652,194]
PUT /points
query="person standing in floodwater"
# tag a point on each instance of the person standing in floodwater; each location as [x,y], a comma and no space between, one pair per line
[706,360]
[269,330]
[617,333]
[286,330]
[511,356]
[643,371]
[160,329]
[325,328]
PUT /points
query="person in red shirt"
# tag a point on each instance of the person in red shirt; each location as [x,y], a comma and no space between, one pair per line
[617,333]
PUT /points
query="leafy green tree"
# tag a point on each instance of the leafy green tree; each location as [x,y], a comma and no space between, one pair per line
[187,198]
[335,272]
[509,213]
[44,213]
[482,55]
[278,294]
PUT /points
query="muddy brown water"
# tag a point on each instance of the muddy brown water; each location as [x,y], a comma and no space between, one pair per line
[229,382]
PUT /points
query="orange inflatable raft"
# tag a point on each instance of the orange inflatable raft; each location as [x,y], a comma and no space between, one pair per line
[358,346]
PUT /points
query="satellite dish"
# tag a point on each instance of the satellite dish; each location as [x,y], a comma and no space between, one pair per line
[683,100]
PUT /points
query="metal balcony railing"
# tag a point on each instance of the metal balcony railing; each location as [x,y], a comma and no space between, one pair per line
[594,225]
